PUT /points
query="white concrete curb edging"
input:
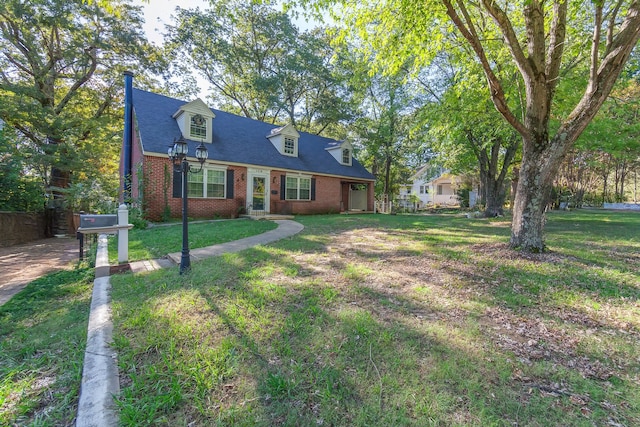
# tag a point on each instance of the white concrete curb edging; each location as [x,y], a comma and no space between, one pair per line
[100,370]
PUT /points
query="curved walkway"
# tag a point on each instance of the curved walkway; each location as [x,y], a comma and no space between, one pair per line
[286,228]
[100,372]
[21,264]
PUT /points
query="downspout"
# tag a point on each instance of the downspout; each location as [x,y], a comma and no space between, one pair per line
[127,146]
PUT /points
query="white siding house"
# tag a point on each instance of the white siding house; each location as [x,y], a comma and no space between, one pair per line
[433,185]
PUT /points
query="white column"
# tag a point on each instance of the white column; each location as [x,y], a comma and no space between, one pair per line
[123,234]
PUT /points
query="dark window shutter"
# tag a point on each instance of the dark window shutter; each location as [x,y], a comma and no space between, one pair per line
[230,183]
[177,185]
[313,188]
[283,186]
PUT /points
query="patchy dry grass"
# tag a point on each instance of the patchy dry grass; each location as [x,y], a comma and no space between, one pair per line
[391,320]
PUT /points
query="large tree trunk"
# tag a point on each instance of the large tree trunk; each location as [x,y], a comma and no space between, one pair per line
[493,172]
[495,200]
[59,182]
[537,172]
[387,177]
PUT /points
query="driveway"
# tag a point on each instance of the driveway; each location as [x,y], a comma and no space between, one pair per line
[24,263]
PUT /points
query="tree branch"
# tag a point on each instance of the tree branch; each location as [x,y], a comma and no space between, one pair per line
[595,45]
[604,78]
[612,22]
[91,51]
[495,88]
[502,20]
[534,24]
[557,36]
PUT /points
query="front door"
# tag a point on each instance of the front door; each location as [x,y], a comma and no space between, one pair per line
[259,196]
[258,191]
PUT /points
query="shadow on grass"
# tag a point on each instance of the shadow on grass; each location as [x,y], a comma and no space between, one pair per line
[302,333]
[261,339]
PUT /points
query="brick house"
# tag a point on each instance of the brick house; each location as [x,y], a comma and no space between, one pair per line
[253,167]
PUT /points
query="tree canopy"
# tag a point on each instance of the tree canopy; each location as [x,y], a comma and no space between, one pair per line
[260,65]
[60,73]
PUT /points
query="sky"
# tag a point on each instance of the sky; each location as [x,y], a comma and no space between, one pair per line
[157,13]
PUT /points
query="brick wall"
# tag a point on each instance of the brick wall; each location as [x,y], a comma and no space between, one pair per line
[331,195]
[328,197]
[158,182]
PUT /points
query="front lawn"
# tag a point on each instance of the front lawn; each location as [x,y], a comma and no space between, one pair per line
[43,334]
[365,320]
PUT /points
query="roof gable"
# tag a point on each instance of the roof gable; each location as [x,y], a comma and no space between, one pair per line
[287,130]
[197,106]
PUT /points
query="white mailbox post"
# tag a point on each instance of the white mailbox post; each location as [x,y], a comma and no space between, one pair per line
[123,234]
[109,224]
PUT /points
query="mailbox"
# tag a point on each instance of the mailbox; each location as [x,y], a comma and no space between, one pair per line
[93,221]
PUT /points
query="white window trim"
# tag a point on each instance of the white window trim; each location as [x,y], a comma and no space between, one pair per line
[342,152]
[295,146]
[298,177]
[207,127]
[205,171]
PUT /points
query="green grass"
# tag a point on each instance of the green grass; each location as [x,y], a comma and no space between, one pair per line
[159,241]
[380,320]
[43,333]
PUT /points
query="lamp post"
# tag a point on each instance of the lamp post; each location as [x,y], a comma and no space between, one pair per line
[178,155]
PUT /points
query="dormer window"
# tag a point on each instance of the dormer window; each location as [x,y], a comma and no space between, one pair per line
[198,127]
[342,152]
[346,156]
[289,146]
[195,121]
[285,140]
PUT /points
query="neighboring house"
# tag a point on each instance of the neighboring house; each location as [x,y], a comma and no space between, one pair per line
[253,167]
[433,185]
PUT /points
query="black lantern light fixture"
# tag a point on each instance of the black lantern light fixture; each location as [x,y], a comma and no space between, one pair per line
[178,155]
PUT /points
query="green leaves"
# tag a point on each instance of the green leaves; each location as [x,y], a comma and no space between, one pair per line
[61,64]
[259,64]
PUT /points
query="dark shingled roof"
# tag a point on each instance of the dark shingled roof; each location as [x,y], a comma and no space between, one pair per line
[236,139]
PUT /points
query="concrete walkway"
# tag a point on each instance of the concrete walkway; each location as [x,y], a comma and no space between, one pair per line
[100,372]
[286,228]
